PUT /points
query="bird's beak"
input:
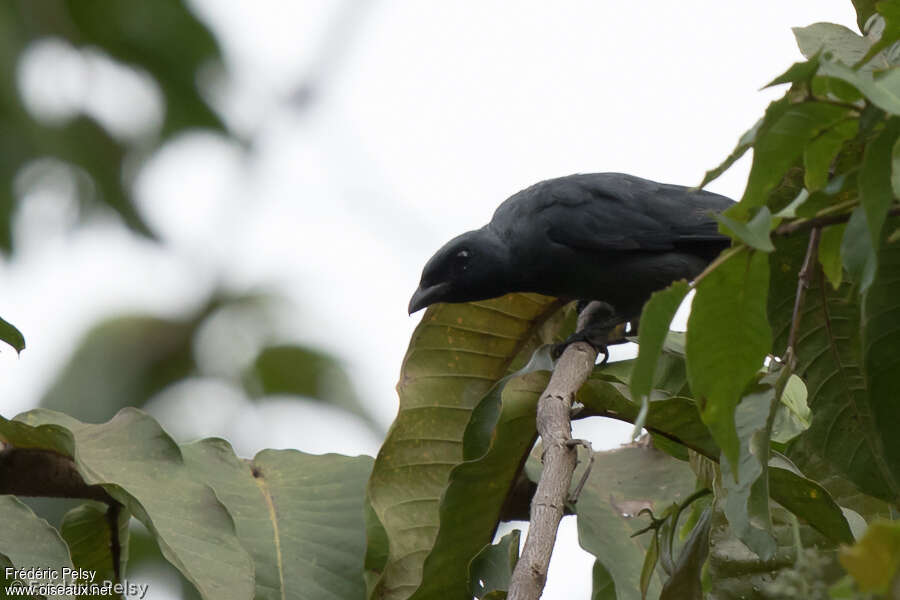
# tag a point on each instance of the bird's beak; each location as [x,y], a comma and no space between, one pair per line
[426,296]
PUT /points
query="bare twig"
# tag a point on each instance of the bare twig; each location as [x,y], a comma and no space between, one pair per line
[555,428]
[30,472]
[803,281]
[818,222]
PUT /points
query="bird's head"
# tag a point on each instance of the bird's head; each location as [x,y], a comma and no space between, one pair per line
[471,266]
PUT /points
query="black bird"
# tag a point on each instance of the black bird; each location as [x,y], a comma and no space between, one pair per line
[608,237]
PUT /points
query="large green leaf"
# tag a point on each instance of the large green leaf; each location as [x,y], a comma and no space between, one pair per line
[621,483]
[479,488]
[29,542]
[457,353]
[875,189]
[87,530]
[744,490]
[844,44]
[492,568]
[843,431]
[882,90]
[139,465]
[300,516]
[655,320]
[780,143]
[728,337]
[881,355]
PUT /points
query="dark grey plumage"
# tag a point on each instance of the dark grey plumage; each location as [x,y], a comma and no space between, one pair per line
[605,236]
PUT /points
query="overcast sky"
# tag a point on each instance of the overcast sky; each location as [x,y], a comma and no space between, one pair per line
[424,117]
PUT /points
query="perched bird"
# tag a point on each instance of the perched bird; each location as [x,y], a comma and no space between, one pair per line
[608,237]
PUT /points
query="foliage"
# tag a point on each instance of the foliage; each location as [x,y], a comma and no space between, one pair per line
[773,420]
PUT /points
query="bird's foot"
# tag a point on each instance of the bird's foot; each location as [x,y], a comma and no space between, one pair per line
[600,325]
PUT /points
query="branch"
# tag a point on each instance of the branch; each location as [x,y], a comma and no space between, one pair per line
[803,281]
[29,472]
[816,222]
[555,428]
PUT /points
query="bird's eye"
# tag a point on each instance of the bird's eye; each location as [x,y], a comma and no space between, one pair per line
[462,254]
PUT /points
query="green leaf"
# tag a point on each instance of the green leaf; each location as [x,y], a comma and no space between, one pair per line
[86,530]
[603,586]
[808,500]
[864,10]
[308,372]
[820,153]
[754,233]
[874,560]
[746,483]
[745,143]
[684,584]
[301,516]
[842,433]
[622,482]
[173,54]
[875,187]
[728,337]
[792,414]
[492,568]
[881,356]
[780,143]
[674,417]
[479,488]
[830,253]
[655,320]
[798,72]
[130,456]
[882,89]
[857,252]
[890,34]
[650,559]
[12,336]
[456,354]
[844,44]
[29,542]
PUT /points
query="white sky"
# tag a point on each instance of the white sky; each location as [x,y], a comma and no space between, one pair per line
[429,118]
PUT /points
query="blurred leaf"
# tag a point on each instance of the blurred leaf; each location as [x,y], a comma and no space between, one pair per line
[780,143]
[162,37]
[304,371]
[728,337]
[457,353]
[874,560]
[300,516]
[797,72]
[684,584]
[890,34]
[857,253]
[129,456]
[12,336]
[754,233]
[792,414]
[746,483]
[842,433]
[86,530]
[29,542]
[820,153]
[830,253]
[881,357]
[882,90]
[864,10]
[622,482]
[875,188]
[655,320]
[602,584]
[651,557]
[808,500]
[122,362]
[491,569]
[846,45]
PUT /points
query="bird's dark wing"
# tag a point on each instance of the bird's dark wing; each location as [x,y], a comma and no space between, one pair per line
[613,212]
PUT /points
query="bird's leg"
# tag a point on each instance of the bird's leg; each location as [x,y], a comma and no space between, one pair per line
[601,322]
